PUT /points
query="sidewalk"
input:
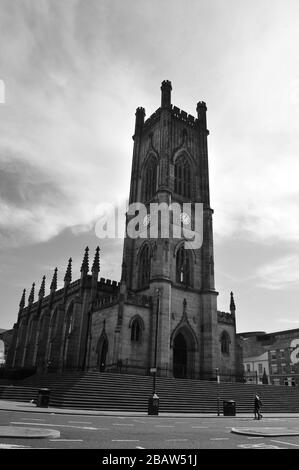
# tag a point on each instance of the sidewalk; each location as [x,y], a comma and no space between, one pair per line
[256,429]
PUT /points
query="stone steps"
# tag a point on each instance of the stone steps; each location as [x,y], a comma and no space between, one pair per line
[105,391]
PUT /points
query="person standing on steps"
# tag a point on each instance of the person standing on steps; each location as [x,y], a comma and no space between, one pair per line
[257,407]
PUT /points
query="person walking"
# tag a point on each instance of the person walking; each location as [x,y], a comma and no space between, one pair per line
[257,407]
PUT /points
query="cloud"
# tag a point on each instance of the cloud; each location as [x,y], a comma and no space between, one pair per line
[34,207]
[283,273]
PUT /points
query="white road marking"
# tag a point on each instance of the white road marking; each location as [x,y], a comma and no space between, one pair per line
[125,440]
[168,440]
[80,422]
[62,425]
[34,419]
[13,446]
[287,443]
[66,440]
[199,427]
[139,447]
[219,438]
[164,426]
[122,424]
[262,445]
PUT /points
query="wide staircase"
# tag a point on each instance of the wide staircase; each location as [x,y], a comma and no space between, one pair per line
[107,391]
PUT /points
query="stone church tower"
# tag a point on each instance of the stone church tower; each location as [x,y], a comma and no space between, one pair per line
[170,165]
[163,312]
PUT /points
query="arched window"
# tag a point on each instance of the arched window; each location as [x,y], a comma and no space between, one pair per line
[69,321]
[144,267]
[182,177]
[225,341]
[53,324]
[136,330]
[150,179]
[183,267]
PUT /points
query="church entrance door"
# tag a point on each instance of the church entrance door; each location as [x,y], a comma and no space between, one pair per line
[180,356]
[103,349]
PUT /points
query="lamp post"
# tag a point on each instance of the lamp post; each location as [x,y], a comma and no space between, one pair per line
[218,382]
[153,402]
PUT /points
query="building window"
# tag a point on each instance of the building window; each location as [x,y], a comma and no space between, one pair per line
[225,340]
[247,367]
[292,368]
[274,368]
[273,355]
[282,354]
[136,330]
[182,177]
[183,266]
[144,267]
[283,368]
[150,179]
[260,368]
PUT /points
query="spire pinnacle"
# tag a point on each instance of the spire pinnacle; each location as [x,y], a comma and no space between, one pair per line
[68,274]
[31,295]
[96,262]
[166,94]
[41,293]
[22,301]
[85,262]
[53,285]
[232,306]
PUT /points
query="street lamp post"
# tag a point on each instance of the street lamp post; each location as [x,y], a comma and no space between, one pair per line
[218,398]
[153,402]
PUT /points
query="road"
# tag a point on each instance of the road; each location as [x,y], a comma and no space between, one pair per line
[147,432]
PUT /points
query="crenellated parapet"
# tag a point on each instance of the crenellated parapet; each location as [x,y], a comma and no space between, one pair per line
[176,112]
[225,317]
[153,119]
[108,285]
[181,115]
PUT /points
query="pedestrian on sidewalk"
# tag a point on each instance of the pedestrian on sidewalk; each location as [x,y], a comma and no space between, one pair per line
[257,407]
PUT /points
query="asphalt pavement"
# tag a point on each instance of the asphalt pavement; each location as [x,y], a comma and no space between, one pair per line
[24,432]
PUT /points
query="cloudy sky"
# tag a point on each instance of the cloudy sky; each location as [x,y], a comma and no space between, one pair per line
[75,72]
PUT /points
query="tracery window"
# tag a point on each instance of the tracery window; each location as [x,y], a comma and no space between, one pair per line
[136,330]
[225,341]
[144,267]
[183,267]
[182,177]
[150,179]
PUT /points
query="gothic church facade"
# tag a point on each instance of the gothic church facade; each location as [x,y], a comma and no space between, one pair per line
[163,312]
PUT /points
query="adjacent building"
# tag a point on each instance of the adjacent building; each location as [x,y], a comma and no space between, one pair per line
[274,355]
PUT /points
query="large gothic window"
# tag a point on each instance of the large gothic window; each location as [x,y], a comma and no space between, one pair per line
[69,319]
[53,324]
[150,179]
[144,267]
[183,267]
[225,341]
[182,177]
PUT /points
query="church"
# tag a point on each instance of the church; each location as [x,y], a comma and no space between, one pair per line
[162,316]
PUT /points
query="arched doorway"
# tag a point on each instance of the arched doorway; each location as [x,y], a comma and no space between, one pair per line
[102,353]
[180,356]
[184,348]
